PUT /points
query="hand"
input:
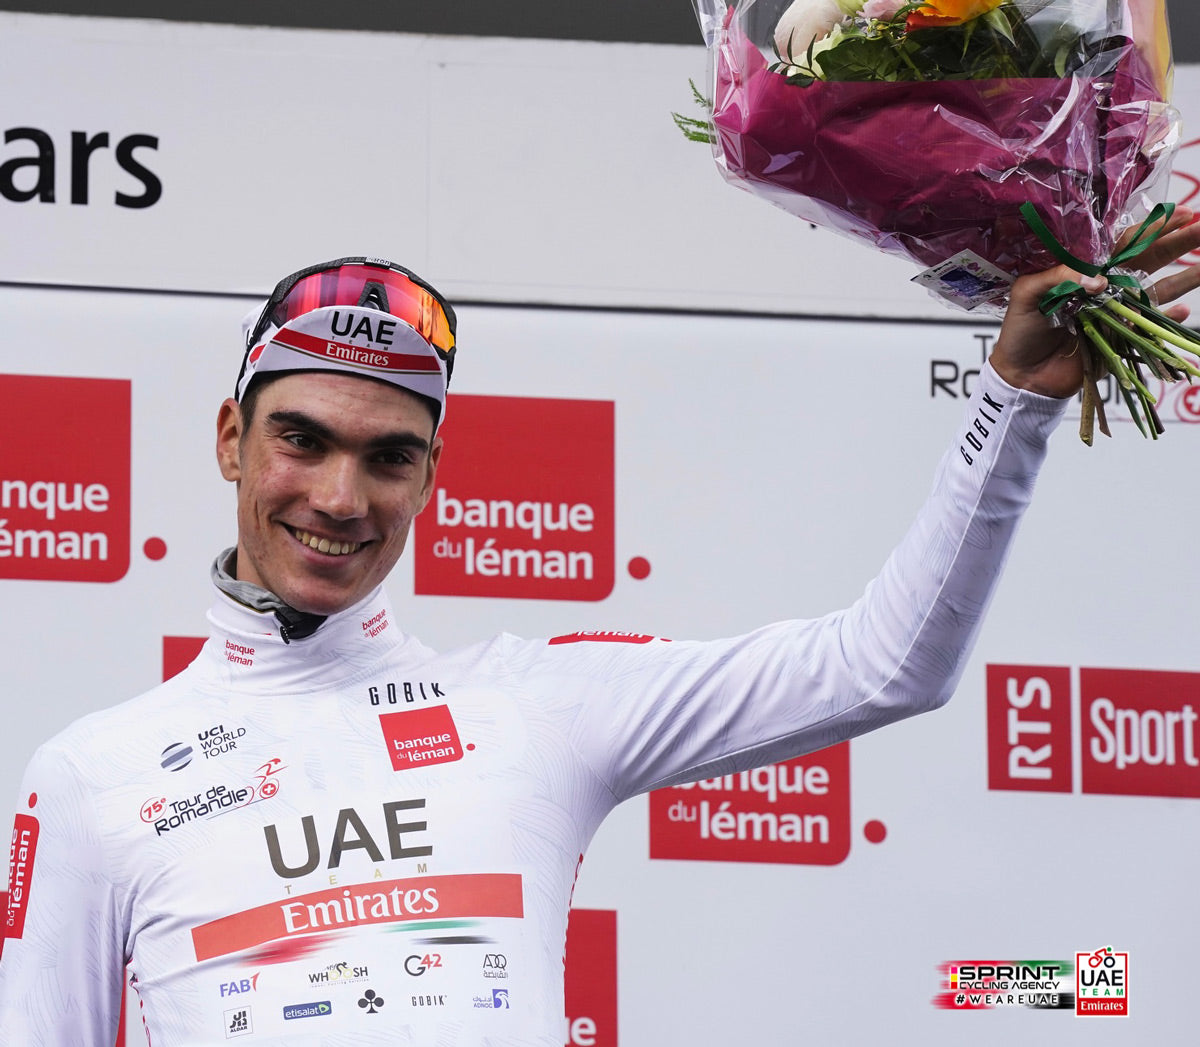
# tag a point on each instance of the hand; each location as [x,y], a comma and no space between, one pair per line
[1031,353]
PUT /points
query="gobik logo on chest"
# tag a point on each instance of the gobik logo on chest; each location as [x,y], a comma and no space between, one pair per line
[524,504]
[1137,737]
[795,812]
[64,481]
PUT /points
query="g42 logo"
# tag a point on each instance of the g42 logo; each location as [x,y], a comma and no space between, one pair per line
[418,965]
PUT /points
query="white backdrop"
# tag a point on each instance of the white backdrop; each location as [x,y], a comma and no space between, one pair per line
[764,467]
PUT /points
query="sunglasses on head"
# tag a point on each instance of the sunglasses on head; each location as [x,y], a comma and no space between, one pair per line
[373,283]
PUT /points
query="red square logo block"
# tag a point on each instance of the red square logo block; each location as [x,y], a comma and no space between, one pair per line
[1029,728]
[797,812]
[421,737]
[1138,732]
[178,652]
[591,978]
[524,505]
[64,483]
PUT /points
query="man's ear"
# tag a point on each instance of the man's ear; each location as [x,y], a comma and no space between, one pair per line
[229,437]
[435,456]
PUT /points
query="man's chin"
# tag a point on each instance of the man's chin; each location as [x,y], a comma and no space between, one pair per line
[322,600]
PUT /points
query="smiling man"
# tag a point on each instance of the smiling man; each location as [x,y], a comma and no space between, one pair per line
[274,853]
[331,470]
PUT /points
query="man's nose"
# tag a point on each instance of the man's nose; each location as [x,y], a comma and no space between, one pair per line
[339,492]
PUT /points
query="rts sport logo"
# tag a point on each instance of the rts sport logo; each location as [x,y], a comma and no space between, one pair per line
[64,490]
[1138,730]
[524,504]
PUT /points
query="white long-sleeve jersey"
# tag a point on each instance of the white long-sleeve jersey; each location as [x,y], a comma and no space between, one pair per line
[326,842]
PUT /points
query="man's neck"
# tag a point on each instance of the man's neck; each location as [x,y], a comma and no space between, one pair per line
[293,624]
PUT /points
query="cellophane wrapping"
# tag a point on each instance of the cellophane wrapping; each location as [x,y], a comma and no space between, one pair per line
[927,168]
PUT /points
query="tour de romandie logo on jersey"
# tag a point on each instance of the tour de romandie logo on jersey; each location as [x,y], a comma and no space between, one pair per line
[538,521]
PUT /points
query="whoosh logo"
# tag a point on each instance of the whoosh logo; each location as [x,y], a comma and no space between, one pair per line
[524,505]
[796,812]
[1138,730]
[64,484]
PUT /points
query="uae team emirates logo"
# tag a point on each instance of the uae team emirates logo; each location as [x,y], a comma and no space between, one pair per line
[524,503]
[64,478]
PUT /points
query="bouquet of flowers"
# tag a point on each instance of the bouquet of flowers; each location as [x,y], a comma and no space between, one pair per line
[981,138]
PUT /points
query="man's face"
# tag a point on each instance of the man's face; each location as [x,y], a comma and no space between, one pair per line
[330,471]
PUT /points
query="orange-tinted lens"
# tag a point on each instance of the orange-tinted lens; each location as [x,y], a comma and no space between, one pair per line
[407,301]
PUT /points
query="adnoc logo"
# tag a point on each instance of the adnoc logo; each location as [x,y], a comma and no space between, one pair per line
[538,521]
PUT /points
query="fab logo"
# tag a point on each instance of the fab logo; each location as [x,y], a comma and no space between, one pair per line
[64,487]
[524,506]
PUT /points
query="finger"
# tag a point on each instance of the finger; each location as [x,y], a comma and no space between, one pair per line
[1181,236]
[1177,284]
[1179,217]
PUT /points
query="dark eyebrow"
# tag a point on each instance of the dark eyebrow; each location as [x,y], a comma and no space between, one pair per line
[301,420]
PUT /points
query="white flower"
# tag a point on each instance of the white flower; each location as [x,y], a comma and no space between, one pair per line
[808,20]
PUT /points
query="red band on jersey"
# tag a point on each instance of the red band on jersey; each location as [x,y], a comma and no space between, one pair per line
[601,637]
[384,901]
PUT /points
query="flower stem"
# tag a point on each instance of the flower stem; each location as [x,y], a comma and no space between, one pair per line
[1139,318]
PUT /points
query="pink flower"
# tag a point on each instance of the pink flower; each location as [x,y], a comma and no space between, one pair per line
[884,10]
[806,21]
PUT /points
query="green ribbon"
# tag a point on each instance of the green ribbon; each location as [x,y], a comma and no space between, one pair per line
[1058,295]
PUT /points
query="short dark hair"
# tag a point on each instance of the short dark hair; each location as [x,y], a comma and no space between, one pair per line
[249,401]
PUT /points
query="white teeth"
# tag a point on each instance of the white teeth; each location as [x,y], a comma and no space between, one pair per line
[324,545]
